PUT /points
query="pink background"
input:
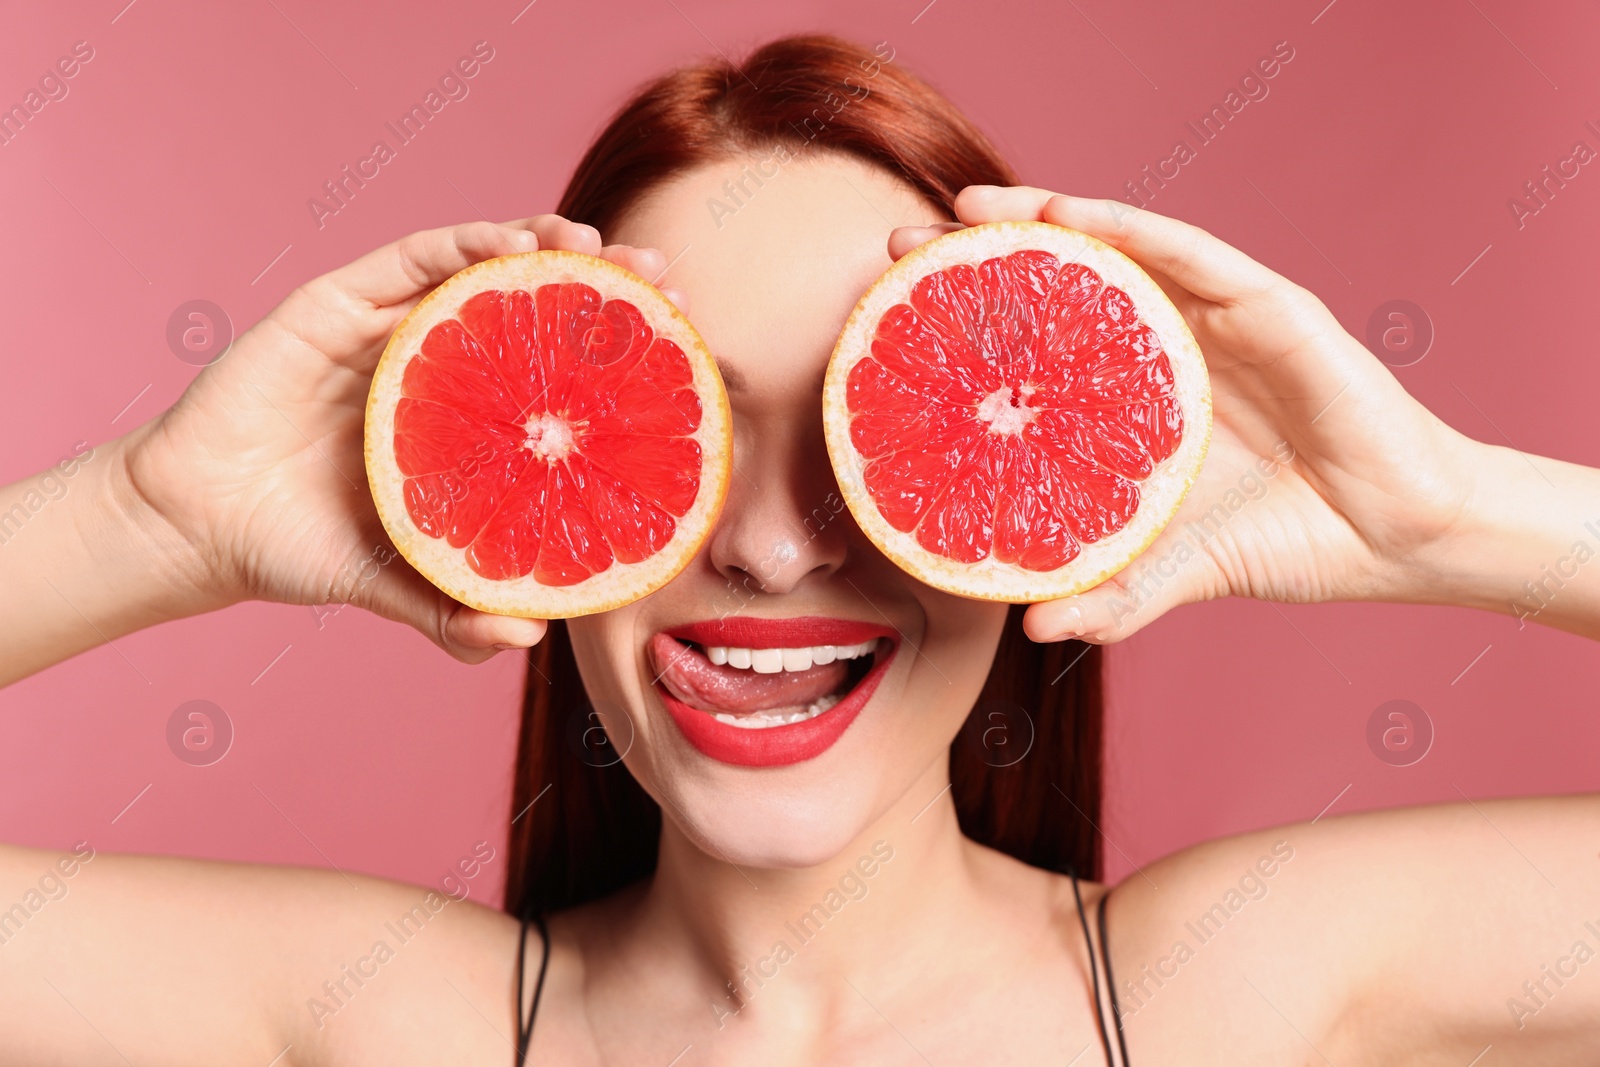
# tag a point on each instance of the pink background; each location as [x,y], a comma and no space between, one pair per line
[1379,167]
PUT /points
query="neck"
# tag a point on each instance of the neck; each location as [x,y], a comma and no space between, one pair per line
[765,936]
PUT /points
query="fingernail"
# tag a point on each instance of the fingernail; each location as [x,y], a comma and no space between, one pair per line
[519,633]
[1072,620]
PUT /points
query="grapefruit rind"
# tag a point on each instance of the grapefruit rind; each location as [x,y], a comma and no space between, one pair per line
[526,597]
[1160,494]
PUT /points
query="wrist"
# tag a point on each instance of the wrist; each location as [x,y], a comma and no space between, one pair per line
[1522,541]
[178,576]
[85,561]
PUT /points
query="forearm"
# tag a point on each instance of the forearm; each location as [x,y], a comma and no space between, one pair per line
[1529,546]
[83,561]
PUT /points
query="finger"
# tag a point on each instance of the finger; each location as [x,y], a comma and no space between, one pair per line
[563,234]
[404,269]
[903,239]
[1205,265]
[1189,256]
[480,632]
[399,593]
[978,204]
[1168,574]
[679,298]
[647,263]
[1101,616]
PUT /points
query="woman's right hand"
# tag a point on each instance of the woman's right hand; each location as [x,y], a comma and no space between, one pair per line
[259,468]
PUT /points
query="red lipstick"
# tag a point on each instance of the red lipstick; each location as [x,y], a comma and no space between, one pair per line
[777,746]
[746,631]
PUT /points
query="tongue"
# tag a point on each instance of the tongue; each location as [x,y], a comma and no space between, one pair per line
[698,682]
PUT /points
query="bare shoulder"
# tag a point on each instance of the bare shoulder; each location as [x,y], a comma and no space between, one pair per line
[559,969]
[405,974]
[197,961]
[1348,932]
[360,969]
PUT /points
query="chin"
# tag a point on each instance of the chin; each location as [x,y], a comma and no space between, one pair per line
[785,829]
[775,740]
[782,741]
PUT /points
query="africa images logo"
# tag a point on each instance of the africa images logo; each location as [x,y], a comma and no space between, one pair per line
[452,86]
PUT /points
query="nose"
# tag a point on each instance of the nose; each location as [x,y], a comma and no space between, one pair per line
[784,522]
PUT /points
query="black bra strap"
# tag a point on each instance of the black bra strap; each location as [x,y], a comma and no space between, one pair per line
[1111,982]
[1094,970]
[525,1028]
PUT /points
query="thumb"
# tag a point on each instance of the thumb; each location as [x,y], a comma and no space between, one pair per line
[1153,584]
[399,593]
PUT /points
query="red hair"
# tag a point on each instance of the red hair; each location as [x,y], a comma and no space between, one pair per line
[1025,768]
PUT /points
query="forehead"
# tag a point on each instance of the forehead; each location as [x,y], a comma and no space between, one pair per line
[774,255]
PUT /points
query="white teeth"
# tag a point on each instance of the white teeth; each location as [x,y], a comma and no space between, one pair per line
[762,720]
[775,660]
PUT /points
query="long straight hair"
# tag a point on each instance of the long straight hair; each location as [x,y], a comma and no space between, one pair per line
[1025,768]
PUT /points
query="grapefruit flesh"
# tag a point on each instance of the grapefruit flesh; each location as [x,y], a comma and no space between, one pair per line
[1014,411]
[547,436]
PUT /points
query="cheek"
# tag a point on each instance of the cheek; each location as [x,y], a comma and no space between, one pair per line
[606,718]
[959,645]
[945,667]
[957,651]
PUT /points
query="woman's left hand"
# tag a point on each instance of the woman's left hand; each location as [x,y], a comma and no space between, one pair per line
[1325,479]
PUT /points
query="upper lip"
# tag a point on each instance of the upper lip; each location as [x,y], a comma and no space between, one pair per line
[748,631]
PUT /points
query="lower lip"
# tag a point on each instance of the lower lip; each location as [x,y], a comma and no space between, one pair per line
[775,746]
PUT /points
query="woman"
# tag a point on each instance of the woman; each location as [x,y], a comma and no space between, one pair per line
[832,909]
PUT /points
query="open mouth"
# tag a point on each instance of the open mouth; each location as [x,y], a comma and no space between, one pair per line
[768,692]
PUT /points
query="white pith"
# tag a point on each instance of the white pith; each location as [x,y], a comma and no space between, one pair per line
[1006,410]
[1160,494]
[549,437]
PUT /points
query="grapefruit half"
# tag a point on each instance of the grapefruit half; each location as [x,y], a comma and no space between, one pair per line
[547,436]
[1014,411]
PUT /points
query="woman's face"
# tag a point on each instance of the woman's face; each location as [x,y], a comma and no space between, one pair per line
[765,757]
